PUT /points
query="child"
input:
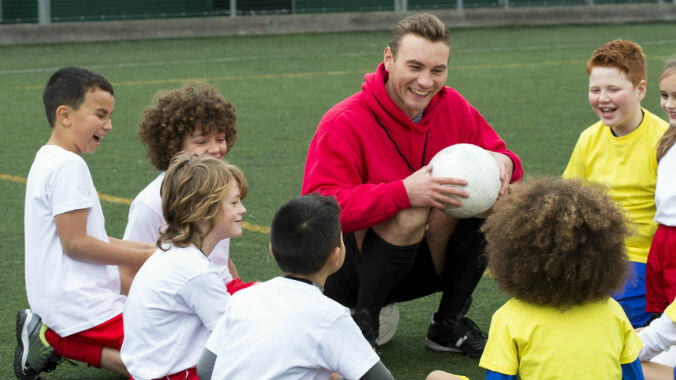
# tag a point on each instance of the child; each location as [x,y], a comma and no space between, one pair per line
[285,327]
[661,269]
[619,152]
[557,248]
[194,119]
[72,278]
[178,295]
[661,334]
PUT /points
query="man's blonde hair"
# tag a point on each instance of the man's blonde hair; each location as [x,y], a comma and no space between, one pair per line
[192,191]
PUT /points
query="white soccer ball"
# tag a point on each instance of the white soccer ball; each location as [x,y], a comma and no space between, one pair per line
[478,168]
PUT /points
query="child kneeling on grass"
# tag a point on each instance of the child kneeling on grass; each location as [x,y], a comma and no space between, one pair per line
[285,327]
[178,295]
[557,247]
[194,119]
[73,281]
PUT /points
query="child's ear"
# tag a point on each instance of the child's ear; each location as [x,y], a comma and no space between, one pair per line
[270,249]
[335,258]
[63,115]
[641,87]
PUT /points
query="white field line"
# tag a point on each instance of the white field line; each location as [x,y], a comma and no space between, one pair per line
[289,56]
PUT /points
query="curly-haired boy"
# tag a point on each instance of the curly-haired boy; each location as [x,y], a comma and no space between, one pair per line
[194,119]
[557,247]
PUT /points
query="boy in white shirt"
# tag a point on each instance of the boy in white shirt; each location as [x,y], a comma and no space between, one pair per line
[193,119]
[286,328]
[178,295]
[72,278]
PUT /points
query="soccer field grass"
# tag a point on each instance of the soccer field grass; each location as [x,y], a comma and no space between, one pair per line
[529,83]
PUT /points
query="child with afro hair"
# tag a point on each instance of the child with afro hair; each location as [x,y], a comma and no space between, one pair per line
[557,247]
[194,119]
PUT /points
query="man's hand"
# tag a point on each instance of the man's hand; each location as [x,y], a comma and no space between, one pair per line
[424,190]
[506,169]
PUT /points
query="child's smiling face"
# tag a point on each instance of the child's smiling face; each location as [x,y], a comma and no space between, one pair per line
[87,125]
[615,100]
[668,96]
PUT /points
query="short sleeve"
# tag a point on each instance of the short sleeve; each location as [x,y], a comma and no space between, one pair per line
[206,295]
[143,223]
[71,188]
[500,354]
[576,168]
[344,350]
[217,334]
[632,343]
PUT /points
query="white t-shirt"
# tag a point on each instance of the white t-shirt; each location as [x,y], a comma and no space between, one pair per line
[665,190]
[69,295]
[286,329]
[174,302]
[146,218]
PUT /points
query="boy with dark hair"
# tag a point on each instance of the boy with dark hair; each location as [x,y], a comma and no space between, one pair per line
[619,151]
[286,322]
[72,277]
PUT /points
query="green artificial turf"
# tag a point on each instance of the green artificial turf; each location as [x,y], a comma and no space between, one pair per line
[529,83]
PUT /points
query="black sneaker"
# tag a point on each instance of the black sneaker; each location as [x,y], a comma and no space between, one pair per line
[33,354]
[452,335]
[366,324]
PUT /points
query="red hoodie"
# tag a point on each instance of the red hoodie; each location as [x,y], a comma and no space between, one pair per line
[352,158]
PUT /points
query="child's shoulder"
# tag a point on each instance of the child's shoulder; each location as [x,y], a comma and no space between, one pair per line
[52,161]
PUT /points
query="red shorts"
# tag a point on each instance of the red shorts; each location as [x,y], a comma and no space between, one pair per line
[661,270]
[237,284]
[188,374]
[86,346]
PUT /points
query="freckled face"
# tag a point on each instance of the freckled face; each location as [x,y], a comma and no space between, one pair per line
[614,99]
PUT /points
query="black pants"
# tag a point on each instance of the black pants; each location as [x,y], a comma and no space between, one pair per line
[383,273]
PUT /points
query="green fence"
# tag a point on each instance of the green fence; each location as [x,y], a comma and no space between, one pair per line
[46,11]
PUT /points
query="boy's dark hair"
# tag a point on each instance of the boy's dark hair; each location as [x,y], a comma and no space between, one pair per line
[422,25]
[304,232]
[68,86]
[557,242]
[173,115]
[627,56]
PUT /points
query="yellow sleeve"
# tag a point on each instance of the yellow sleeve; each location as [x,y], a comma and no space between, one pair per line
[632,343]
[670,311]
[576,165]
[500,354]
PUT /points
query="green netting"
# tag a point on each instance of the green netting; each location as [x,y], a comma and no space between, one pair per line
[26,11]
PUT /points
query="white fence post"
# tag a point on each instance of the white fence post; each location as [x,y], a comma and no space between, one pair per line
[400,5]
[233,8]
[44,12]
[459,5]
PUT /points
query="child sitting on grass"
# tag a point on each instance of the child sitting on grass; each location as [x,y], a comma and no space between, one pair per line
[285,327]
[557,247]
[178,295]
[618,152]
[73,281]
[193,119]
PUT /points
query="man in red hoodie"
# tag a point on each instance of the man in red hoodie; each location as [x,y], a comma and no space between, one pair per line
[372,151]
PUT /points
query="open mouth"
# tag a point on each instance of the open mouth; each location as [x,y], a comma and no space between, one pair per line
[97,138]
[420,93]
